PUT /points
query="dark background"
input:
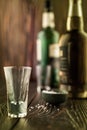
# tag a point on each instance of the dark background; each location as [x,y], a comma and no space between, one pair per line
[20,21]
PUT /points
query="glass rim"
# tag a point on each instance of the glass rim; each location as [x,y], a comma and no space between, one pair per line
[17,67]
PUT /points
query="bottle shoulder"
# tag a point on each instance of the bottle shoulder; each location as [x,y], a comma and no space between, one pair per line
[43,30]
[48,31]
[73,36]
[75,32]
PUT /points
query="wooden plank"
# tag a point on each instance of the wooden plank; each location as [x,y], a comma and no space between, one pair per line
[71,115]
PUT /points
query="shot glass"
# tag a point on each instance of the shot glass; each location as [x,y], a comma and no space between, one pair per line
[17,84]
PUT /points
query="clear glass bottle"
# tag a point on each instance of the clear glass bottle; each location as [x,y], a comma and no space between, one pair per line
[47,37]
[73,53]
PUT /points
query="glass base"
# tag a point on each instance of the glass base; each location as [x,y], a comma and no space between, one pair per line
[17,109]
[20,115]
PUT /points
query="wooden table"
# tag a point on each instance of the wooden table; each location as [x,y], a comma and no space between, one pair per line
[71,115]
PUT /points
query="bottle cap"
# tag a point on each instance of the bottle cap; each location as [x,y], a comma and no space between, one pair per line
[48,6]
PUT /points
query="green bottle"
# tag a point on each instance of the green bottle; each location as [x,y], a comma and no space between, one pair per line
[46,38]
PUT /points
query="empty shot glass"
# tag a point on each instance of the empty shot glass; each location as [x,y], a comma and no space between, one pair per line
[17,84]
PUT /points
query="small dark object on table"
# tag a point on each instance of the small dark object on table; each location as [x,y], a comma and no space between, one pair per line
[54,96]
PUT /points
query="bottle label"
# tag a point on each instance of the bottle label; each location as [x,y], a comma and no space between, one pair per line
[48,20]
[64,67]
[54,50]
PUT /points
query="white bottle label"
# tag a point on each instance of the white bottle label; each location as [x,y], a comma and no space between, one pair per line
[48,20]
[54,50]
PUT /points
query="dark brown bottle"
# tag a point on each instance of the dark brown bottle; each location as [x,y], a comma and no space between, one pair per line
[73,54]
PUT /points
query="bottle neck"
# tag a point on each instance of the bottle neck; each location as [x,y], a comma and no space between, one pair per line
[75,16]
[48,19]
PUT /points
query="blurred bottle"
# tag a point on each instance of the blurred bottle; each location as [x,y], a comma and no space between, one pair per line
[47,37]
[73,53]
